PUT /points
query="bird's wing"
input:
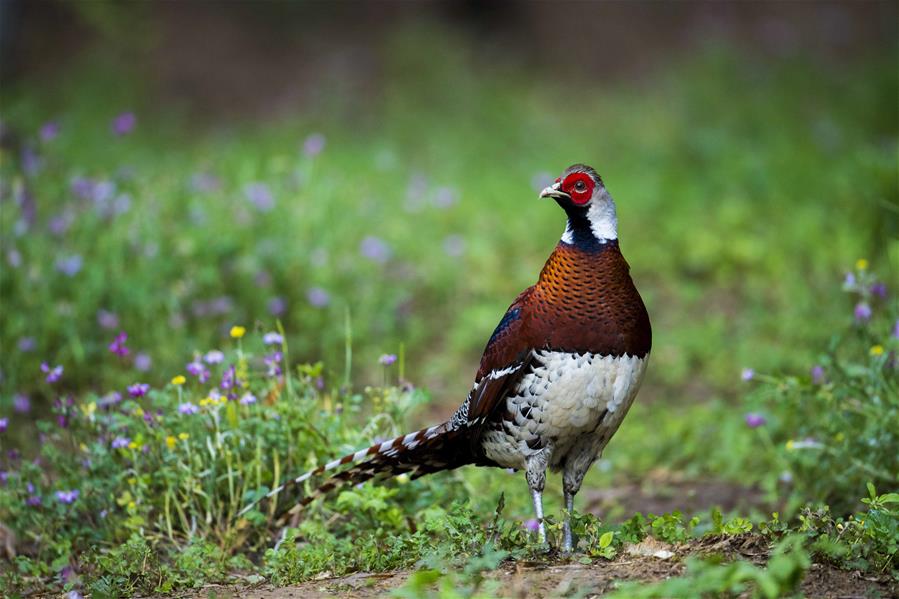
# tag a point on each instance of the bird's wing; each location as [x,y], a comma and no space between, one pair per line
[507,357]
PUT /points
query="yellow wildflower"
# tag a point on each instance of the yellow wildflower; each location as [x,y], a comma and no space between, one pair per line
[132,481]
[183,436]
[876,350]
[170,441]
[237,331]
[139,412]
[861,264]
[82,447]
[131,506]
[133,445]
[790,445]
[179,380]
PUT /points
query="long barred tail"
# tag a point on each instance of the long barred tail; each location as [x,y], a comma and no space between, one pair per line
[418,453]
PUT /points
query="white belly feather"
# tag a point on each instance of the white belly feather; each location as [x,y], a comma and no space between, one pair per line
[565,398]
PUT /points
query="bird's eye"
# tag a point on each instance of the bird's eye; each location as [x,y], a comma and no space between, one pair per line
[580,186]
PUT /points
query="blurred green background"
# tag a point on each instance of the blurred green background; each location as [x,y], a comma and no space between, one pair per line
[305,162]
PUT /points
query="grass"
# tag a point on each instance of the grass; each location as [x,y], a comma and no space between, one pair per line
[745,192]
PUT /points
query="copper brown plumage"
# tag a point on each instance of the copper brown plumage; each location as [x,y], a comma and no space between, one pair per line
[558,373]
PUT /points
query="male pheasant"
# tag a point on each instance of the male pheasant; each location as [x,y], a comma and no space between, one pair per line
[557,376]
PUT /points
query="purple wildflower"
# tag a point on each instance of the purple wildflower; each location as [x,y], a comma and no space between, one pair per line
[879,289]
[214,357]
[138,390]
[67,496]
[247,399]
[862,312]
[67,574]
[110,399]
[445,197]
[120,442]
[4,477]
[60,223]
[33,501]
[143,362]
[188,408]
[817,374]
[27,344]
[748,374]
[118,345]
[49,131]
[229,378]
[195,368]
[205,182]
[4,424]
[263,278]
[314,145]
[273,339]
[318,297]
[102,192]
[82,188]
[387,359]
[754,420]
[69,265]
[107,319]
[21,403]
[53,374]
[415,192]
[124,123]
[849,282]
[454,246]
[532,525]
[260,196]
[213,307]
[273,361]
[14,257]
[375,249]
[31,161]
[73,594]
[896,330]
[277,306]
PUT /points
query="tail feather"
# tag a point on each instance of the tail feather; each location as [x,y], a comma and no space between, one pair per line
[418,453]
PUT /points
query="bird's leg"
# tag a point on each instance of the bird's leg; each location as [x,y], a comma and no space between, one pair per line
[575,469]
[566,524]
[537,496]
[535,472]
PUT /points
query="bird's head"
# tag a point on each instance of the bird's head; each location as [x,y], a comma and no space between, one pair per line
[590,208]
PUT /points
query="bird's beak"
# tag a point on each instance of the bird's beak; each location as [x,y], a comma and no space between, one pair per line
[553,191]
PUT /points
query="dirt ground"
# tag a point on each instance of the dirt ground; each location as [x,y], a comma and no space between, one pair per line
[561,578]
[649,561]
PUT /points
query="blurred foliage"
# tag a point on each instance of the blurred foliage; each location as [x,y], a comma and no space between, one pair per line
[742,190]
[842,415]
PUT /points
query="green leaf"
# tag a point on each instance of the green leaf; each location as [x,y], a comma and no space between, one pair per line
[606,539]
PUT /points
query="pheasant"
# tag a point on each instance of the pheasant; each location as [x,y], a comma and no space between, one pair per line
[557,376]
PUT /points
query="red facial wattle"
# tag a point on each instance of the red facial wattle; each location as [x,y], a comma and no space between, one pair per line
[579,186]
